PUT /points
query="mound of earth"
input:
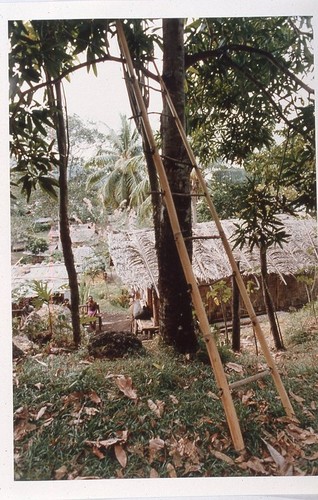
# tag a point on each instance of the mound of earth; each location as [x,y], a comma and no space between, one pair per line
[113,344]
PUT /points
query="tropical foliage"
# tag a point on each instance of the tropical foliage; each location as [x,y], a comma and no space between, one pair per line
[244,76]
[245,79]
[120,170]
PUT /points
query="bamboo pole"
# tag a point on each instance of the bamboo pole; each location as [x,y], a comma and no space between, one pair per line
[214,356]
[240,283]
[250,379]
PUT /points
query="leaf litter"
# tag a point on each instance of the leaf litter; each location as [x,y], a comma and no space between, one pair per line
[182,452]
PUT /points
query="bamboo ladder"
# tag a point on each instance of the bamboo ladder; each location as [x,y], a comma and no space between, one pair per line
[221,380]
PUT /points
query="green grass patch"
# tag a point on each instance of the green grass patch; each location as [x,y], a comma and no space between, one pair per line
[73,420]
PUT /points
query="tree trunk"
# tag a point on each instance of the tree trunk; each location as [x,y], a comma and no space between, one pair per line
[268,301]
[175,315]
[64,222]
[236,320]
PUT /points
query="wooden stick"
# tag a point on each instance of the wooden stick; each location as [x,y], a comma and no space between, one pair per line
[214,356]
[250,379]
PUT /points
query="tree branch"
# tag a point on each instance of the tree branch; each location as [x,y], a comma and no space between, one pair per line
[200,56]
[267,94]
[64,74]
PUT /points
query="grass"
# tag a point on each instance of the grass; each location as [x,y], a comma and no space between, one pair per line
[66,404]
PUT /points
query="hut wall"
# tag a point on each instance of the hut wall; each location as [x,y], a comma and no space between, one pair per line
[285,296]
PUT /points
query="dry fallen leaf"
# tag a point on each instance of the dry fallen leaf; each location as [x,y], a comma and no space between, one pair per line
[98,453]
[60,473]
[84,478]
[124,384]
[284,467]
[94,397]
[153,473]
[213,396]
[107,442]
[91,411]
[48,422]
[171,470]
[155,445]
[247,397]
[189,467]
[222,456]
[174,399]
[254,464]
[121,455]
[41,412]
[157,408]
[312,457]
[297,398]
[235,367]
[121,437]
[22,429]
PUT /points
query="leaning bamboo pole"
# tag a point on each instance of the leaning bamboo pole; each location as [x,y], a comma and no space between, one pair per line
[221,380]
[240,283]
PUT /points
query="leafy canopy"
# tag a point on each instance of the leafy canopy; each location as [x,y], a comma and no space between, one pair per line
[244,77]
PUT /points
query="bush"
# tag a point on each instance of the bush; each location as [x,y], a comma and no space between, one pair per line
[302,326]
[225,352]
[42,228]
[121,300]
[50,324]
[56,256]
[37,245]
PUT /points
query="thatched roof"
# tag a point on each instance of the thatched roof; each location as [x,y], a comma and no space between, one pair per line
[53,274]
[22,276]
[134,257]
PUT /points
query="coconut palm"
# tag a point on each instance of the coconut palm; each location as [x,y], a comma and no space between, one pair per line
[120,170]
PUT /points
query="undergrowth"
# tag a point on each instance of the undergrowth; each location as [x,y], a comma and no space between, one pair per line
[65,405]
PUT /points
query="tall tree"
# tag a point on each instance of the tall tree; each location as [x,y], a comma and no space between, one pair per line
[176,322]
[42,53]
[261,228]
[243,79]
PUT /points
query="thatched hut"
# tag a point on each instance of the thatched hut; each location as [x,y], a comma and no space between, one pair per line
[134,257]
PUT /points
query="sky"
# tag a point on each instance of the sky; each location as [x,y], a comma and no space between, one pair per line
[104,98]
[100,99]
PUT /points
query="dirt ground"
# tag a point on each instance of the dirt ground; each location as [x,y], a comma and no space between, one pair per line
[121,322]
[118,322]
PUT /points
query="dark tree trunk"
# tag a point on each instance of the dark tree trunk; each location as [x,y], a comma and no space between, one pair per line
[64,222]
[236,323]
[175,316]
[268,301]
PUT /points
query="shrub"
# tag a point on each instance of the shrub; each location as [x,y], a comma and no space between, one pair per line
[121,300]
[49,324]
[302,326]
[37,245]
[42,228]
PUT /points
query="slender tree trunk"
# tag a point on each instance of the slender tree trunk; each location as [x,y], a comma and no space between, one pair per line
[268,301]
[175,315]
[236,320]
[64,222]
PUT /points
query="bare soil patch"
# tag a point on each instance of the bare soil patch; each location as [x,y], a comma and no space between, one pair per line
[116,322]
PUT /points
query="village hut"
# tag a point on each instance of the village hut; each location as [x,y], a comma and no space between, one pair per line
[134,257]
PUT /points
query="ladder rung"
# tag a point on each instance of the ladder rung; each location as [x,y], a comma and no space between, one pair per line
[247,380]
[202,237]
[188,194]
[181,162]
